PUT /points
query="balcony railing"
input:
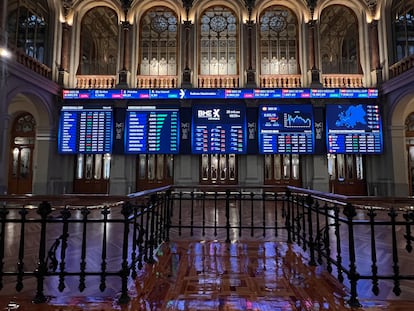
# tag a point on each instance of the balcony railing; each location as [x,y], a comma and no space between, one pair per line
[31,63]
[280,81]
[93,238]
[156,82]
[342,80]
[346,234]
[69,235]
[95,81]
[402,66]
[218,81]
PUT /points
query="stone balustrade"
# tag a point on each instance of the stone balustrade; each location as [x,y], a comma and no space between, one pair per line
[95,81]
[218,81]
[156,82]
[402,66]
[342,80]
[280,81]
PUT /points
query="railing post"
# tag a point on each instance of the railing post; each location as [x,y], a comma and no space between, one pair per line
[20,264]
[395,266]
[168,214]
[44,210]
[192,214]
[227,216]
[105,212]
[311,243]
[287,222]
[124,273]
[152,212]
[353,276]
[3,216]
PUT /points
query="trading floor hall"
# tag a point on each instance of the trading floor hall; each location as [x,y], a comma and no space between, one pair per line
[210,275]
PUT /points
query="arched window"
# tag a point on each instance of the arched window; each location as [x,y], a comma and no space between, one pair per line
[99,42]
[28,28]
[403,28]
[158,43]
[218,42]
[339,40]
[278,41]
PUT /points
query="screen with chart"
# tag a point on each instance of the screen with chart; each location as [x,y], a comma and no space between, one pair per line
[152,130]
[286,129]
[219,128]
[353,128]
[85,130]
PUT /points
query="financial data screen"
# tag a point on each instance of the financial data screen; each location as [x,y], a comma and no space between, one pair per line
[353,128]
[85,130]
[152,130]
[219,128]
[286,129]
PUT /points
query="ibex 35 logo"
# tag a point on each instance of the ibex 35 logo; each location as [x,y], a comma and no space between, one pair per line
[210,114]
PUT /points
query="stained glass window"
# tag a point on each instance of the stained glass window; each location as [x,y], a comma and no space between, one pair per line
[159,37]
[218,42]
[278,41]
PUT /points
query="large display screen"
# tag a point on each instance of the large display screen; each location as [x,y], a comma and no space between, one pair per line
[353,128]
[153,130]
[219,128]
[85,130]
[286,129]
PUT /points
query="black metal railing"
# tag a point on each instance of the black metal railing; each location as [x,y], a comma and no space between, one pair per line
[93,238]
[330,228]
[348,234]
[357,239]
[227,214]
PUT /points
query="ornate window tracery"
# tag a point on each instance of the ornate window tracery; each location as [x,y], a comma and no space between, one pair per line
[278,41]
[218,42]
[339,39]
[403,28]
[28,28]
[159,37]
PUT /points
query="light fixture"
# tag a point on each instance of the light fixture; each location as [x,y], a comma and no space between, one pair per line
[4,52]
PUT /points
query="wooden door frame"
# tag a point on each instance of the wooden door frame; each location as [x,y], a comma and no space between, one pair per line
[13,182]
[219,181]
[353,186]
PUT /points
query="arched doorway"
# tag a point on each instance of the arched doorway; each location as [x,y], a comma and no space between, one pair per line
[409,134]
[22,143]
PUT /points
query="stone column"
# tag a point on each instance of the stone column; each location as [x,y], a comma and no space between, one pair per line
[251,73]
[4,118]
[4,137]
[375,61]
[187,71]
[64,56]
[3,20]
[123,74]
[315,79]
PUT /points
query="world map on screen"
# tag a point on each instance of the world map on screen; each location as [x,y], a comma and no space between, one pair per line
[351,116]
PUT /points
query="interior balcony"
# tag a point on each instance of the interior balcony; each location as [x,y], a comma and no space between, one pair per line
[401,66]
[342,80]
[280,81]
[96,81]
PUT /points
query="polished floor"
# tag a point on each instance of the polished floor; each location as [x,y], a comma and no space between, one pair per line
[207,276]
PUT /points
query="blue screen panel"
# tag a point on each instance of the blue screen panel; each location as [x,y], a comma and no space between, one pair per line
[219,128]
[85,130]
[286,129]
[152,130]
[353,128]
